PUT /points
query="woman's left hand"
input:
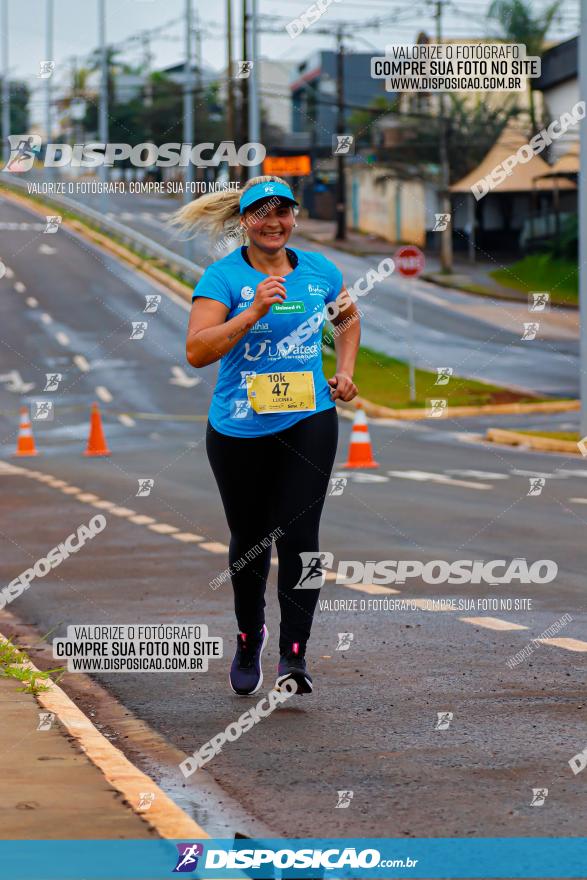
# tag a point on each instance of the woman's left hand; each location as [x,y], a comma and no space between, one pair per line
[342,386]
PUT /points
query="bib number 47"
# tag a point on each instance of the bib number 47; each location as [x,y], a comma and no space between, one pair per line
[281,386]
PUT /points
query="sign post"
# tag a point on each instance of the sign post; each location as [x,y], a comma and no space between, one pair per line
[410,262]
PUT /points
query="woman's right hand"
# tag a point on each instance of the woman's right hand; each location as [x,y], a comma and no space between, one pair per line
[271,290]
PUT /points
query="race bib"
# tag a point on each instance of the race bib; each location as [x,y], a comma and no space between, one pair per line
[281,392]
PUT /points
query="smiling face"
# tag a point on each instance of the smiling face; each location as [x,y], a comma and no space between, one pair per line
[269,231]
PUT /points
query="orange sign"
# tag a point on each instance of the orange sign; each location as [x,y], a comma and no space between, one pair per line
[287,166]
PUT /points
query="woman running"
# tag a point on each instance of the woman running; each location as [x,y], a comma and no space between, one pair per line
[272,426]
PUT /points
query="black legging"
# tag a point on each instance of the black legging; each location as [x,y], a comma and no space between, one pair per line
[271,483]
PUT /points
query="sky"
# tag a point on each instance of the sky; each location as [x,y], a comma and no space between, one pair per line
[76,29]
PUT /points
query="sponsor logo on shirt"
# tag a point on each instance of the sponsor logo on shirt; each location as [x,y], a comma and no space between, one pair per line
[288,308]
[247,292]
[260,327]
[316,290]
[256,350]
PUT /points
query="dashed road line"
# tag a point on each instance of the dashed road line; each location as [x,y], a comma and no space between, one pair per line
[492,623]
[46,318]
[62,338]
[19,286]
[216,547]
[103,393]
[568,644]
[424,477]
[81,363]
[126,420]
[31,302]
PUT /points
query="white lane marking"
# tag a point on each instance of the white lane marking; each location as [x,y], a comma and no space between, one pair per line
[578,500]
[122,511]
[481,475]
[101,504]
[126,420]
[8,272]
[164,529]
[566,643]
[372,589]
[46,318]
[215,547]
[424,477]
[47,249]
[360,477]
[81,363]
[31,302]
[181,378]
[19,287]
[141,520]
[87,497]
[13,381]
[71,490]
[187,537]
[103,393]
[62,338]
[492,623]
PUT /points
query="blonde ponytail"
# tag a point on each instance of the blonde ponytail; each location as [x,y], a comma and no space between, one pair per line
[216,213]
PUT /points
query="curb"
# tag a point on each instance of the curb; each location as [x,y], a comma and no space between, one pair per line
[375,410]
[164,816]
[542,444]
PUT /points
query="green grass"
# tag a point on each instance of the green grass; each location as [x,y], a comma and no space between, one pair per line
[571,436]
[543,272]
[12,659]
[385,380]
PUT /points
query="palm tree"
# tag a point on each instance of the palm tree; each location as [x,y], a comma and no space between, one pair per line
[518,23]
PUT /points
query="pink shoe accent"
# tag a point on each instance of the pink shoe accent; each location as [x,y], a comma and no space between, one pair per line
[296,647]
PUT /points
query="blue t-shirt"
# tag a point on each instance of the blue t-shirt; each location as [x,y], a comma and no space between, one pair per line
[282,341]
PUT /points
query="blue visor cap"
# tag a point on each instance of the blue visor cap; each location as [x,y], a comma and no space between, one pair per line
[265,191]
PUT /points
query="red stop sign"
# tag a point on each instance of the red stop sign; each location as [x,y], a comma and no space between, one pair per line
[409,260]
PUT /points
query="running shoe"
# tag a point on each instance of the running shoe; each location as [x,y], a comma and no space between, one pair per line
[246,675]
[292,665]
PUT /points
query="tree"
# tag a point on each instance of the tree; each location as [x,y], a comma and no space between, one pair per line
[472,129]
[518,23]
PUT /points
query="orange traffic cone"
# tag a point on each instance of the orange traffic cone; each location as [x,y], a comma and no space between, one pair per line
[25,445]
[360,450]
[96,440]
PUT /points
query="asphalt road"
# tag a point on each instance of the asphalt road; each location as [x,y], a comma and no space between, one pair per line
[479,339]
[439,494]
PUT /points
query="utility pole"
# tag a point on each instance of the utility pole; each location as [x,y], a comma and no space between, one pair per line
[49,57]
[446,235]
[5,83]
[103,103]
[582,197]
[244,115]
[49,80]
[254,107]
[229,74]
[188,114]
[147,58]
[340,126]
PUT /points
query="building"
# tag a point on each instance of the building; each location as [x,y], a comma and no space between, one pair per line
[314,91]
[559,84]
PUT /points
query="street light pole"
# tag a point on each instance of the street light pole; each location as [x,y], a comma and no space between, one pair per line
[340,127]
[254,109]
[49,57]
[446,234]
[188,114]
[5,83]
[103,103]
[582,197]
